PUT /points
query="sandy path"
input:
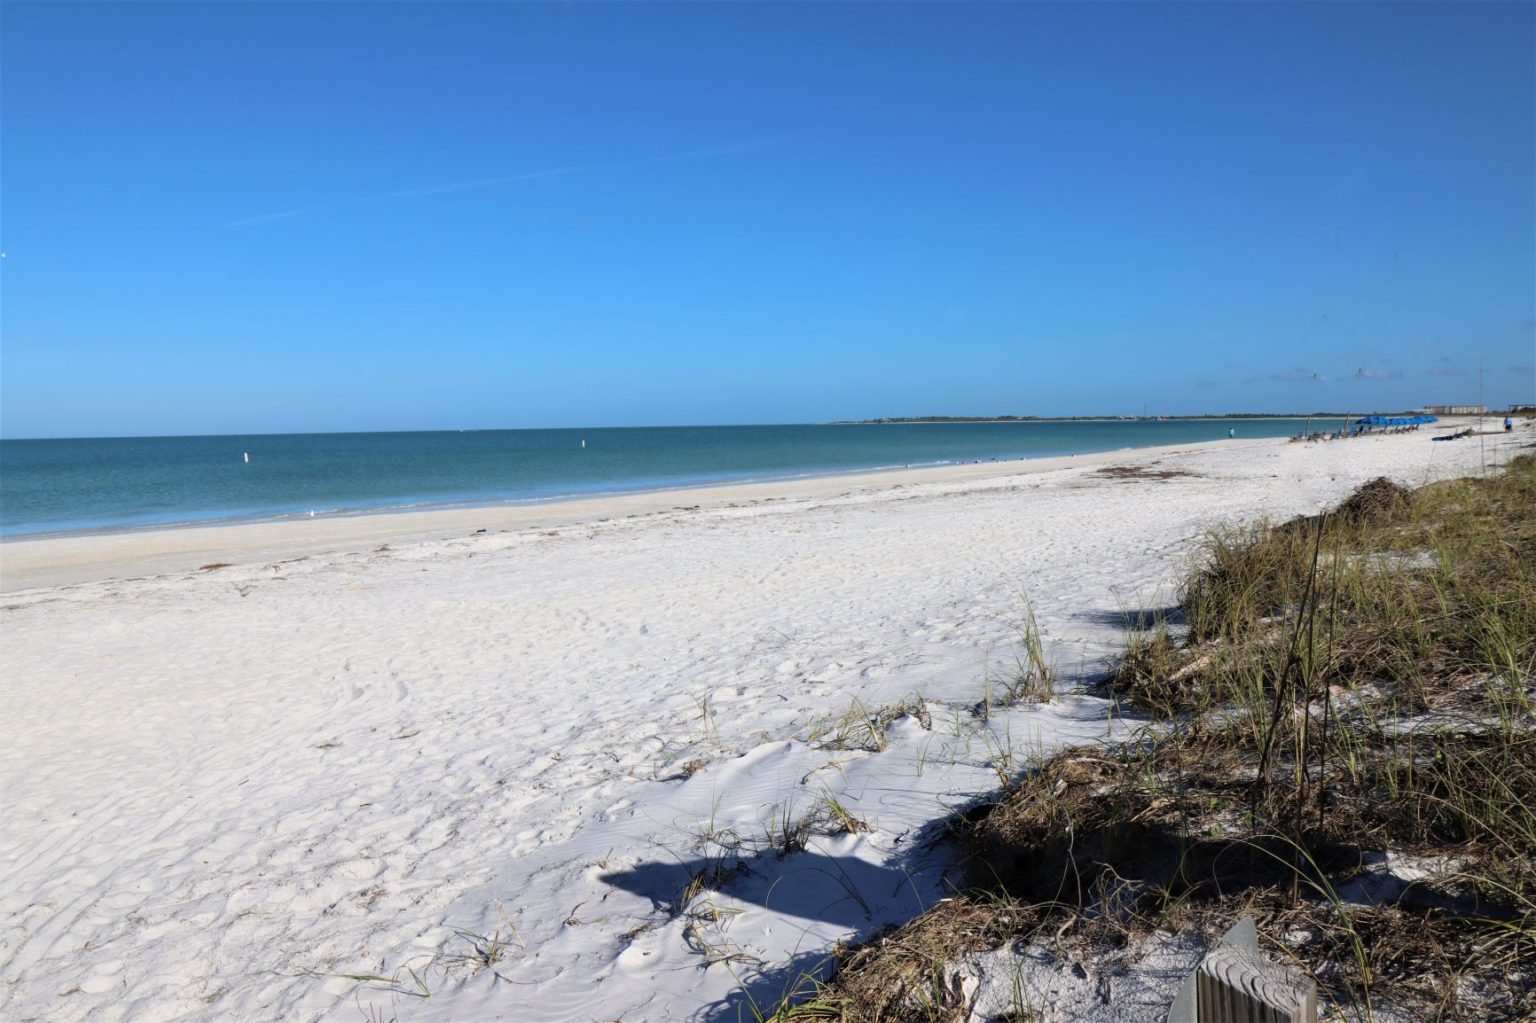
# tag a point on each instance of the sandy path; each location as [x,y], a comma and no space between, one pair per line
[217,783]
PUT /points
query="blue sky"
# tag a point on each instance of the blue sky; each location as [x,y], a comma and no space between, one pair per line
[269,218]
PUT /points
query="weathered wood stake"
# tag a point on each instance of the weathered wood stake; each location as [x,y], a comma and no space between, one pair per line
[1236,984]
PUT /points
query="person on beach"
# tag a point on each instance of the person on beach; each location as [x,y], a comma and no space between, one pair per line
[1509,424]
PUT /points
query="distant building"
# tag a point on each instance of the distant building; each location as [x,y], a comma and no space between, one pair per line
[1455,410]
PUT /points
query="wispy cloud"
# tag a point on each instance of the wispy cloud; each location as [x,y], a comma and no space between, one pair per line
[1521,371]
[266,216]
[1378,374]
[712,152]
[1294,376]
[1447,371]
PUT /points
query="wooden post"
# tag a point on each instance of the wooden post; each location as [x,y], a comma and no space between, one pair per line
[1235,984]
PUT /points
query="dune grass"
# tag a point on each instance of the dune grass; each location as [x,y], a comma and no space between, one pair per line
[1343,697]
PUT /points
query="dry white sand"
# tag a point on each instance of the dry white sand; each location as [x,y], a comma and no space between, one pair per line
[225,790]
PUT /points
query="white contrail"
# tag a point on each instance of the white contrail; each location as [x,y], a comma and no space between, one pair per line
[553,172]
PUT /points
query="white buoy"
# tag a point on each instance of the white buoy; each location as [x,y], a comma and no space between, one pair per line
[247,456]
[583,442]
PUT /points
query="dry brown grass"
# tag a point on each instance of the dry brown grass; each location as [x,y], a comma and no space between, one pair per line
[903,974]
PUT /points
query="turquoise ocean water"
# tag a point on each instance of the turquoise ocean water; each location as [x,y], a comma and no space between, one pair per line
[49,486]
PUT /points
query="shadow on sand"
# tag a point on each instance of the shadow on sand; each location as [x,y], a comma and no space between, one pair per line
[1133,619]
[826,895]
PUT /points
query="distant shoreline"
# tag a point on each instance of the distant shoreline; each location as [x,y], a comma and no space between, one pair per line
[694,426]
[40,560]
[940,420]
[155,484]
[52,559]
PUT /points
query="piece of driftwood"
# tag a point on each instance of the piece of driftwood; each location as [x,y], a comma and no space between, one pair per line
[1234,983]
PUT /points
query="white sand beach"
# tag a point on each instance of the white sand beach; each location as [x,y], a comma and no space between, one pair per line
[478,755]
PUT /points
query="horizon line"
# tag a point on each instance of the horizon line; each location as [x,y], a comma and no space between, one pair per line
[867,421]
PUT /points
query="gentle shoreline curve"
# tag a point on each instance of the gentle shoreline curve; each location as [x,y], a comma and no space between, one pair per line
[60,560]
[500,761]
